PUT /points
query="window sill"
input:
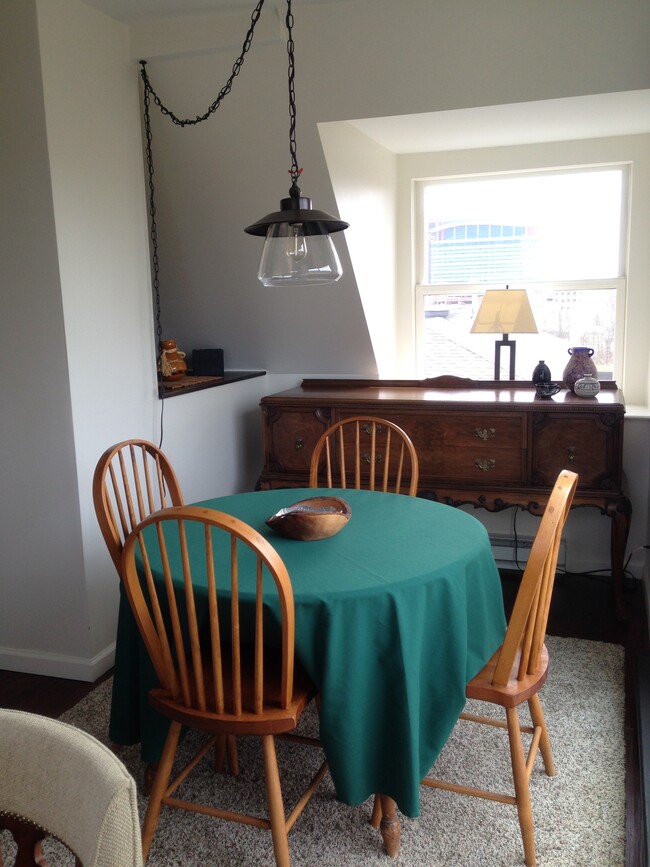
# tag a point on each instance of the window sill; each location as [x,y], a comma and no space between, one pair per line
[200,383]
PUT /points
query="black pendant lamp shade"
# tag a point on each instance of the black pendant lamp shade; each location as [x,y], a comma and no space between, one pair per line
[298,209]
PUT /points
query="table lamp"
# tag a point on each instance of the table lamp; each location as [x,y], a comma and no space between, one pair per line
[504,311]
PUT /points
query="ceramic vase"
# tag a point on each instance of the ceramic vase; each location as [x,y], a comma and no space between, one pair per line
[579,365]
[541,373]
[587,386]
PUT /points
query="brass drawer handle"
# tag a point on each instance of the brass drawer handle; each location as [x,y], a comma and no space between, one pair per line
[484,433]
[485,464]
[367,428]
[571,452]
[298,443]
[378,458]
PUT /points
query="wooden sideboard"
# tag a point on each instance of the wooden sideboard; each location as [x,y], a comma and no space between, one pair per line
[489,444]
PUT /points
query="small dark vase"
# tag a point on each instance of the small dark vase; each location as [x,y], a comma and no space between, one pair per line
[541,373]
[579,365]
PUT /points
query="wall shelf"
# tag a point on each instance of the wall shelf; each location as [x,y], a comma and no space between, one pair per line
[191,383]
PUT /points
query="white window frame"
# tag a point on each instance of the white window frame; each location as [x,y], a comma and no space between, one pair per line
[421,289]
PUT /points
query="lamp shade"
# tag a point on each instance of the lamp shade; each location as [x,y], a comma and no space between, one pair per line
[298,250]
[504,311]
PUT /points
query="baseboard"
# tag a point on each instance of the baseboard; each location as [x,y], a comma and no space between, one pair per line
[58,665]
[508,551]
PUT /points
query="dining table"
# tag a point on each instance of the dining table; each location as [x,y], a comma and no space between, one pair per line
[393,616]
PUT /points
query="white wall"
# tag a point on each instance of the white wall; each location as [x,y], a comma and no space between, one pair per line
[80,332]
[364,178]
[44,605]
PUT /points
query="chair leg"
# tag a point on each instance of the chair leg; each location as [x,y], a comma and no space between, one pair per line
[158,788]
[233,759]
[274,799]
[537,716]
[522,790]
[226,743]
[220,755]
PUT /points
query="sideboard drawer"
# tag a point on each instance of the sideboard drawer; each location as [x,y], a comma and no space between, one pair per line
[290,437]
[589,446]
[477,447]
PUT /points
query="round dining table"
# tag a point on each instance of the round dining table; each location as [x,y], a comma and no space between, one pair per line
[394,615]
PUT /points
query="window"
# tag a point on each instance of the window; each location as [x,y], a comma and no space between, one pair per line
[560,235]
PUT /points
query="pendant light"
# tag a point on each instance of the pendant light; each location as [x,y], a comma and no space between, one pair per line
[298,250]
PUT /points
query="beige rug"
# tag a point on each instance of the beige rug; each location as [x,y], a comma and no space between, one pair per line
[579,813]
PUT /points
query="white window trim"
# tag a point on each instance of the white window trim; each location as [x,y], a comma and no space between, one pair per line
[618,283]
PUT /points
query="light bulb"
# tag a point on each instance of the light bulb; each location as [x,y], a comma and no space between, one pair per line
[297,243]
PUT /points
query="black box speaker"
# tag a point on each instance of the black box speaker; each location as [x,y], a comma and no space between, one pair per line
[207,362]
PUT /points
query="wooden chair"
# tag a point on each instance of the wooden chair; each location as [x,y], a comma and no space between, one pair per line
[58,781]
[340,454]
[518,670]
[214,676]
[132,479]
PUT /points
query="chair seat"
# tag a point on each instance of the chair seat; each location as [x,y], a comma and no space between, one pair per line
[515,691]
[276,719]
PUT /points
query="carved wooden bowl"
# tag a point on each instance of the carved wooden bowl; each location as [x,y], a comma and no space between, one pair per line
[311,519]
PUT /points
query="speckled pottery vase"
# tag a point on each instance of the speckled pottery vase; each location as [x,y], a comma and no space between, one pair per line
[579,365]
[587,386]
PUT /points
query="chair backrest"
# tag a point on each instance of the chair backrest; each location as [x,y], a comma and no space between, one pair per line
[68,783]
[526,630]
[199,602]
[132,479]
[365,452]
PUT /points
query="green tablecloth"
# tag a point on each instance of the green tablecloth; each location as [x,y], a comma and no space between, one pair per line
[394,615]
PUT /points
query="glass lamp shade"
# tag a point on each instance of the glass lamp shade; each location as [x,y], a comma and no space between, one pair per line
[290,257]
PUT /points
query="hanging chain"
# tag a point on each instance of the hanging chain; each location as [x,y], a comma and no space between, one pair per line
[294,171]
[152,212]
[149,95]
[225,90]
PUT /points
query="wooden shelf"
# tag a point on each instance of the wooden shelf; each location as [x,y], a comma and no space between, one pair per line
[191,383]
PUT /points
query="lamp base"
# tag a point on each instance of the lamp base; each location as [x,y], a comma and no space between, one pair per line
[497,356]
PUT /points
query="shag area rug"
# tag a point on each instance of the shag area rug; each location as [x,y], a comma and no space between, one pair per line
[579,813]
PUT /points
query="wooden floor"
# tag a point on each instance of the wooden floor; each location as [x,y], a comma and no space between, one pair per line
[582,608]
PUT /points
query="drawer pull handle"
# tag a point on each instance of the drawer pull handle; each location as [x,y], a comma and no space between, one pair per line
[484,433]
[571,452]
[378,458]
[298,443]
[485,464]
[367,428]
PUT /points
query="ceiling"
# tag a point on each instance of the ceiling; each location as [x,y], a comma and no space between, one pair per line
[571,118]
[132,10]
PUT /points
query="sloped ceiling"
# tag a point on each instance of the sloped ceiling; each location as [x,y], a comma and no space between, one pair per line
[133,10]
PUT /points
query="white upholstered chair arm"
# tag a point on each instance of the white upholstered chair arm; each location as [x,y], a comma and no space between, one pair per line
[69,783]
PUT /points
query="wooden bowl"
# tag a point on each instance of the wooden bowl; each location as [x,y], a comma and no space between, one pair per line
[311,519]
